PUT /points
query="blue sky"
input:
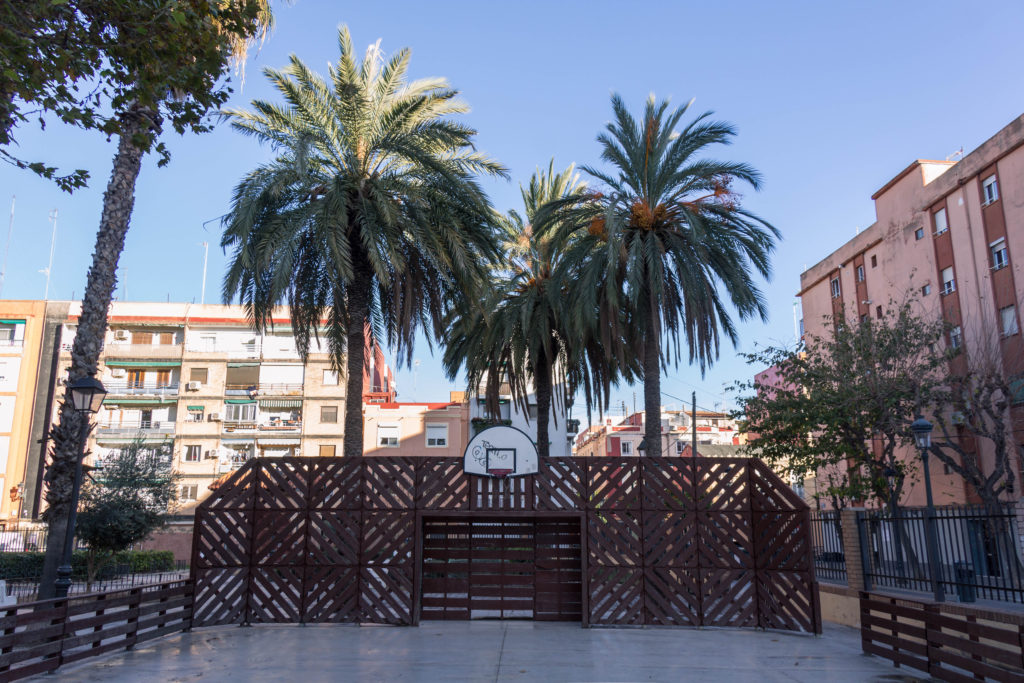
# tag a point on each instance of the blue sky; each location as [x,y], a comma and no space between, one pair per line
[831,100]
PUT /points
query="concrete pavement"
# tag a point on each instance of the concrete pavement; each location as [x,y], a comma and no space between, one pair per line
[489,651]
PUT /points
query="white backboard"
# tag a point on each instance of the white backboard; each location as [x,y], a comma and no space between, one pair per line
[500,451]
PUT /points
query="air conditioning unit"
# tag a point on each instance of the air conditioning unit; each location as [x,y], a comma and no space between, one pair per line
[214,417]
[210,454]
[194,386]
[118,373]
[121,335]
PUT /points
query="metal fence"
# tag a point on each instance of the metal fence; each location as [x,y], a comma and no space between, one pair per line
[117,577]
[978,556]
[827,540]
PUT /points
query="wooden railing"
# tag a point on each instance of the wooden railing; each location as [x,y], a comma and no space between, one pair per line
[42,636]
[950,642]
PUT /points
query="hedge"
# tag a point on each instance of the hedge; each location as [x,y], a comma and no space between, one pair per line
[29,565]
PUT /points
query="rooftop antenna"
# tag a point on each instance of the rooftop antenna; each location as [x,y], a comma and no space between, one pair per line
[49,267]
[957,155]
[206,255]
[10,229]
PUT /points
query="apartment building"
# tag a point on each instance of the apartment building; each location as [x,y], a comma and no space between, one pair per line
[437,430]
[561,427]
[953,233]
[624,438]
[198,377]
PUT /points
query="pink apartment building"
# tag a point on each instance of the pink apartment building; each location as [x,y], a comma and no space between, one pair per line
[416,429]
[954,233]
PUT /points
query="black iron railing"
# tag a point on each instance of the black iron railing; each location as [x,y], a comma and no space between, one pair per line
[978,551]
[829,553]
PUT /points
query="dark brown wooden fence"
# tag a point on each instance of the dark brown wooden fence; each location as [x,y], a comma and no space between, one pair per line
[948,642]
[44,635]
[671,541]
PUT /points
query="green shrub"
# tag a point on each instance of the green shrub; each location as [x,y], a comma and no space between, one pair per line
[29,565]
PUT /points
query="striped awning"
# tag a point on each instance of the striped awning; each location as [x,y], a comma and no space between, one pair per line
[196,408]
[280,403]
[243,365]
[240,400]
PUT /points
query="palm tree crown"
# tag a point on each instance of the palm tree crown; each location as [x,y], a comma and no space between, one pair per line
[667,240]
[369,219]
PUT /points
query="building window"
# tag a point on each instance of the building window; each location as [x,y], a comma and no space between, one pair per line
[330,378]
[878,312]
[1008,318]
[926,290]
[680,447]
[948,283]
[531,411]
[919,234]
[195,413]
[874,261]
[189,492]
[860,273]
[437,436]
[956,337]
[835,287]
[240,412]
[142,337]
[387,436]
[326,451]
[329,414]
[990,189]
[941,222]
[627,447]
[193,453]
[199,375]
[998,251]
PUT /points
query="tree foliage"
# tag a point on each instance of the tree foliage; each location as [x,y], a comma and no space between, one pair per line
[840,406]
[368,218]
[125,500]
[664,239]
[85,62]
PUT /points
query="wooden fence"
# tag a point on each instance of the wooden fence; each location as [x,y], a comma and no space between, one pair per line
[948,642]
[670,541]
[41,636]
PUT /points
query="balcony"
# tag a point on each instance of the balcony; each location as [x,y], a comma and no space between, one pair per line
[239,425]
[141,350]
[11,343]
[280,426]
[280,389]
[137,389]
[146,427]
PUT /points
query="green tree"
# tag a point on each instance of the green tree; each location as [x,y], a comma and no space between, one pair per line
[125,500]
[841,405]
[159,60]
[666,240]
[369,220]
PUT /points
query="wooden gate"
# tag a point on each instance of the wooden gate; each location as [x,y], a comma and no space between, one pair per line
[668,541]
[502,568]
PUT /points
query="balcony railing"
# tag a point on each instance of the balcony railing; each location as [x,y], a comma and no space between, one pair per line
[117,350]
[140,389]
[12,342]
[239,425]
[280,389]
[144,426]
[280,426]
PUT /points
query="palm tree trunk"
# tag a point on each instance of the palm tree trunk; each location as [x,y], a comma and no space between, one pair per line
[118,202]
[543,379]
[652,382]
[355,362]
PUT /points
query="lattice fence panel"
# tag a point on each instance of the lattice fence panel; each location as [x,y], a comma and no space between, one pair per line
[441,484]
[723,484]
[275,595]
[236,492]
[560,484]
[222,538]
[670,539]
[220,596]
[672,596]
[385,595]
[616,595]
[614,539]
[668,484]
[729,597]
[336,484]
[333,538]
[331,594]
[282,484]
[280,538]
[389,483]
[613,483]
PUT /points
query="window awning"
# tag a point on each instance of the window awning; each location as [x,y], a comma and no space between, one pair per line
[239,400]
[243,365]
[12,322]
[280,403]
[196,408]
[142,363]
[139,401]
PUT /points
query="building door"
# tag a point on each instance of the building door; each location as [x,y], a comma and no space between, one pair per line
[136,379]
[498,568]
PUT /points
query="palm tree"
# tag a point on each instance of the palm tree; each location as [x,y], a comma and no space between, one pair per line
[369,221]
[666,240]
[523,331]
[176,81]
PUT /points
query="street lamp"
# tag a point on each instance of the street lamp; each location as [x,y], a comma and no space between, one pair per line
[922,430]
[642,446]
[87,395]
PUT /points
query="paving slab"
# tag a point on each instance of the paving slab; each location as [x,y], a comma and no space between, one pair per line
[490,651]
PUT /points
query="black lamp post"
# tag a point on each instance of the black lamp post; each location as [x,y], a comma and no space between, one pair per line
[922,430]
[642,446]
[87,395]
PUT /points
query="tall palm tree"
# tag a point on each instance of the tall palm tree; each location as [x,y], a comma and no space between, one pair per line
[521,331]
[369,220]
[666,240]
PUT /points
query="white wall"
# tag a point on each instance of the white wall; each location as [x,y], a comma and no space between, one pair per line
[9,370]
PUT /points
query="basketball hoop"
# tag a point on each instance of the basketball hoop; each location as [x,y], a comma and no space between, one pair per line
[499,474]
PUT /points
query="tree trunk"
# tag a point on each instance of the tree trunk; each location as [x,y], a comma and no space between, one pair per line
[652,381]
[359,297]
[118,201]
[543,379]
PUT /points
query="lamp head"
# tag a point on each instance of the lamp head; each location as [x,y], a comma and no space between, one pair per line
[87,394]
[922,430]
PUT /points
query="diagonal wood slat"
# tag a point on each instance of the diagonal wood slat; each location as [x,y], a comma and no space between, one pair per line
[441,484]
[336,484]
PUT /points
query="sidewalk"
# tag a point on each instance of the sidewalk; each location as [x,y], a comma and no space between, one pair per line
[491,651]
